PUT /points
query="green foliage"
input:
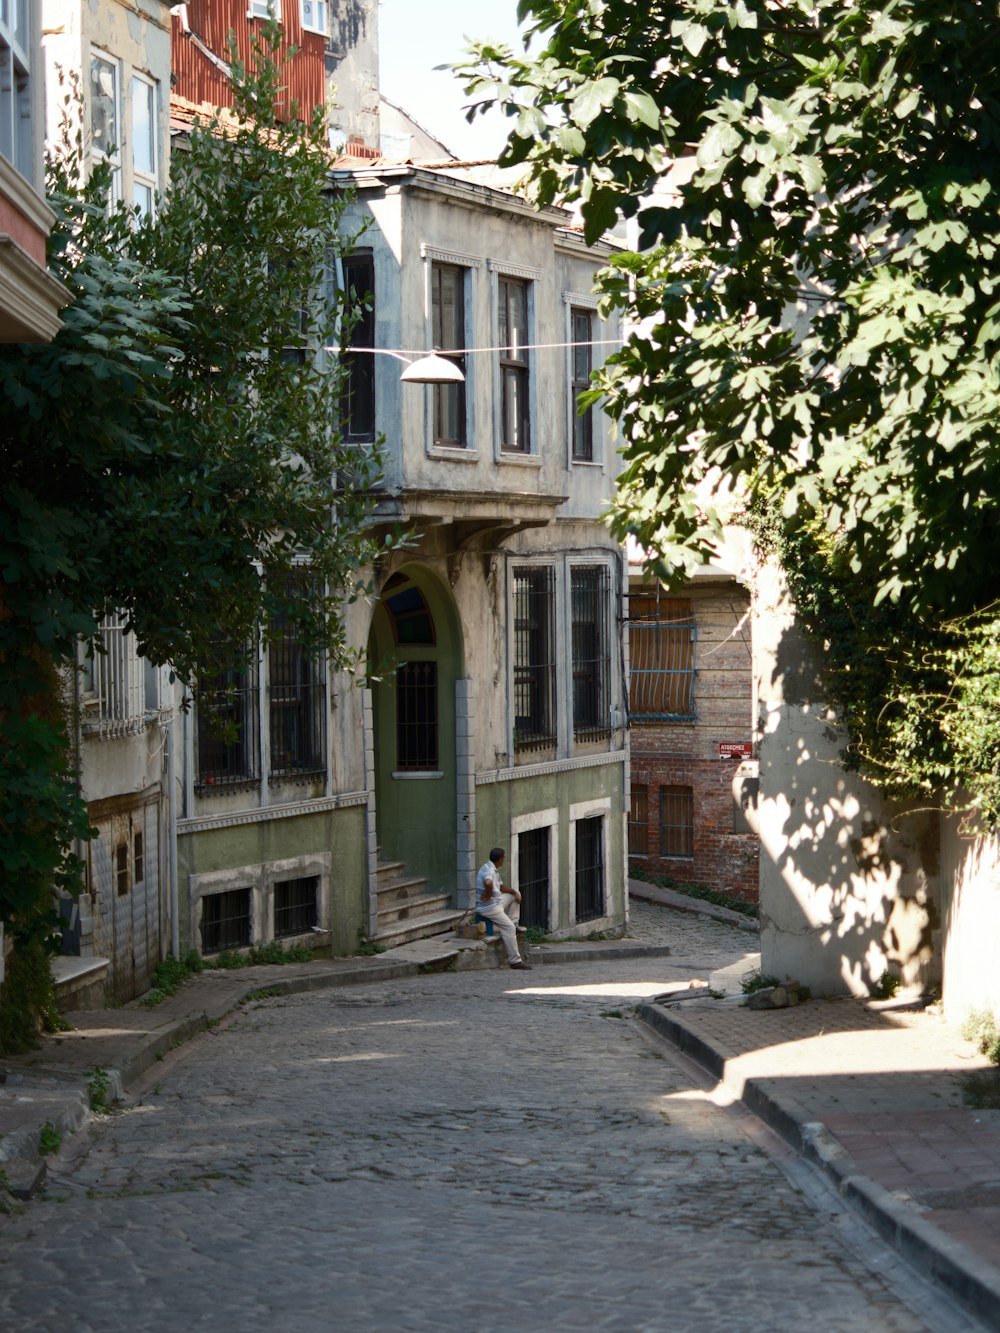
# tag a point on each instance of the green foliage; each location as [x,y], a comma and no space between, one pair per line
[756,980]
[275,952]
[535,934]
[818,317]
[886,986]
[27,996]
[367,948]
[981,1027]
[98,1087]
[168,976]
[49,1140]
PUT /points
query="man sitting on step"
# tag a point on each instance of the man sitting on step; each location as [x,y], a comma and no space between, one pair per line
[500,904]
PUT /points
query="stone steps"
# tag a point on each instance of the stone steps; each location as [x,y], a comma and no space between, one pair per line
[406,909]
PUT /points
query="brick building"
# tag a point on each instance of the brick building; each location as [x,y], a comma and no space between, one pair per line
[693,771]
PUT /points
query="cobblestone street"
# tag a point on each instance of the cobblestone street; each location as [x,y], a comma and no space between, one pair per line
[474,1151]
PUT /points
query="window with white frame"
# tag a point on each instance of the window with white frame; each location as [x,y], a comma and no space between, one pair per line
[588,870]
[581,324]
[534,657]
[143,140]
[513,338]
[15,86]
[590,599]
[264,9]
[105,116]
[447,333]
[314,16]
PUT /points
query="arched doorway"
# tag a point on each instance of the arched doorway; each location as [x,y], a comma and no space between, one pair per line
[414,660]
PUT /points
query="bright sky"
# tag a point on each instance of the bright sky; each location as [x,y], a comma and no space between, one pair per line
[416,35]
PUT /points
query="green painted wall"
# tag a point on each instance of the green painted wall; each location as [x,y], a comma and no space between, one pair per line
[339,832]
[498,803]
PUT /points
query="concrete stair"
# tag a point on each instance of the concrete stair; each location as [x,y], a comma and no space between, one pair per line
[407,910]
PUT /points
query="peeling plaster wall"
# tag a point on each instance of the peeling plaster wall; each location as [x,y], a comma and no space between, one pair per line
[849,884]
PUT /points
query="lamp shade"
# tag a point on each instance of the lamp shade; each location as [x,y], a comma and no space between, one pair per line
[432,369]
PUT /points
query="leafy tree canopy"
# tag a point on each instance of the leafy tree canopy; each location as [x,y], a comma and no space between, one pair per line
[816,188]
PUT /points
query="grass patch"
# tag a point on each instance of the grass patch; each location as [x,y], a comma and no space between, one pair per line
[273,953]
[169,975]
[535,934]
[612,1013]
[49,1139]
[981,1089]
[699,891]
[367,948]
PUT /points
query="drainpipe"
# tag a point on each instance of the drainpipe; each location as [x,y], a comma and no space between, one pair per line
[175,928]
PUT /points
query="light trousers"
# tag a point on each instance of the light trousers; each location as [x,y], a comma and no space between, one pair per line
[505,918]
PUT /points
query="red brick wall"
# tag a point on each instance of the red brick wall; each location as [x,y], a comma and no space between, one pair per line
[686,753]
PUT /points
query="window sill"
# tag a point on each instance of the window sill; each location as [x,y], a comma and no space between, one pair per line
[453,453]
[519,460]
[595,463]
[417,775]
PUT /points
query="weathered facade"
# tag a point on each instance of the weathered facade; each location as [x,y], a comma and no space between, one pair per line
[693,766]
[493,710]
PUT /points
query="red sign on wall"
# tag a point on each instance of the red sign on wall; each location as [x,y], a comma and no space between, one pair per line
[735,749]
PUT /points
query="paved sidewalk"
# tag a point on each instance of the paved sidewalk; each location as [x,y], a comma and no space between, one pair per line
[875,1097]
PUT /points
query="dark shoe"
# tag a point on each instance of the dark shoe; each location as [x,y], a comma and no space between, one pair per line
[519,967]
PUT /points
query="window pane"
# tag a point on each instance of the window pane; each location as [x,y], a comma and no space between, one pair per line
[448,331]
[358,396]
[297,695]
[104,105]
[417,716]
[142,197]
[143,128]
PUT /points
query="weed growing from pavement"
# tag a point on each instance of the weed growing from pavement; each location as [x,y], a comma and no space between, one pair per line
[612,1013]
[756,980]
[367,948]
[170,973]
[98,1087]
[275,952]
[265,993]
[49,1139]
[535,934]
[886,986]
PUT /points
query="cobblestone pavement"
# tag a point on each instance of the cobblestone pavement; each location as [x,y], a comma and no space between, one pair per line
[471,1151]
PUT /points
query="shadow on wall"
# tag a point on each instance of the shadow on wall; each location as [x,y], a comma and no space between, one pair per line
[850,884]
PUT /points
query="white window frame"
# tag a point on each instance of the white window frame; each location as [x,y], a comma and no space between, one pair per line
[525,824]
[596,809]
[571,301]
[149,179]
[531,277]
[264,9]
[471,264]
[321,9]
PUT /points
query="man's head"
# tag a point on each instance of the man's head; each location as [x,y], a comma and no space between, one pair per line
[496,856]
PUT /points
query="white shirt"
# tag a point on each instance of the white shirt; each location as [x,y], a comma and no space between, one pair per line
[488,883]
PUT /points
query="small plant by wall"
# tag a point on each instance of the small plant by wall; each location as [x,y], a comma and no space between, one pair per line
[981,1027]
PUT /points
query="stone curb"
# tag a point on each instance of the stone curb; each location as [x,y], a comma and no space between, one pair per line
[952,1265]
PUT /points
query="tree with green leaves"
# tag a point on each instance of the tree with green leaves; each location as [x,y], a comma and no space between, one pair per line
[173,453]
[816,188]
